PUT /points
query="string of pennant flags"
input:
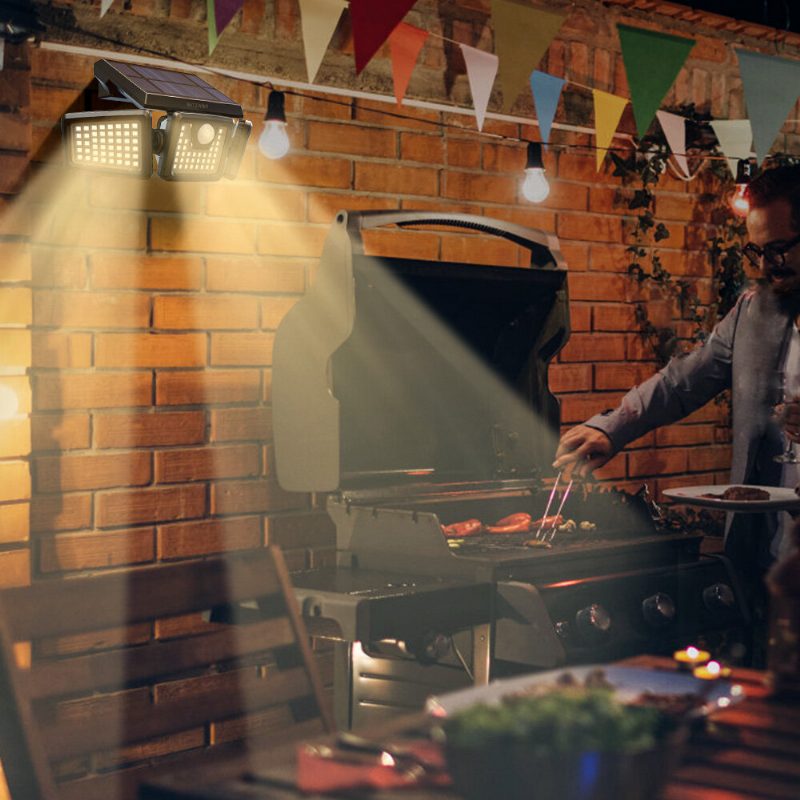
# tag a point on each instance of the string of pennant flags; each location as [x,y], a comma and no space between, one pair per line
[652,61]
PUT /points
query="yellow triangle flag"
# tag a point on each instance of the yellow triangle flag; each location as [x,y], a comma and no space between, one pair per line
[608,109]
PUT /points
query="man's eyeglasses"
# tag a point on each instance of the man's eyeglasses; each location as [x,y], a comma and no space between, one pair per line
[774,253]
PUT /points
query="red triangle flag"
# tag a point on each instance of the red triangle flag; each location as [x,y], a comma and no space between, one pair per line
[373,23]
[404,44]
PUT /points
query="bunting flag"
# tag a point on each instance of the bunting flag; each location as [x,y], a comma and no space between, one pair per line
[521,35]
[546,93]
[104,6]
[771,86]
[404,45]
[608,109]
[2,53]
[224,11]
[735,137]
[318,20]
[372,24]
[212,26]
[652,62]
[674,127]
[481,72]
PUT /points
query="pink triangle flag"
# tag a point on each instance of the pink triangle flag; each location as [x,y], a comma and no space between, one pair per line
[608,109]
[373,22]
[481,72]
[318,19]
[404,45]
[674,127]
[224,11]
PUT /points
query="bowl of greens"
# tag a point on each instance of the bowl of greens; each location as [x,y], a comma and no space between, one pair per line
[571,743]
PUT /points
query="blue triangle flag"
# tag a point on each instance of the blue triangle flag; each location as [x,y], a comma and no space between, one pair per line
[546,92]
[771,86]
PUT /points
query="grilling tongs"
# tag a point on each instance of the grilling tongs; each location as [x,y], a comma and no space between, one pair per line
[542,532]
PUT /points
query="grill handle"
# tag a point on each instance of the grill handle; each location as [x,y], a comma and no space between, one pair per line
[544,247]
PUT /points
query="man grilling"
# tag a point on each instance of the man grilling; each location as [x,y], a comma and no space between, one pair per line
[755,352]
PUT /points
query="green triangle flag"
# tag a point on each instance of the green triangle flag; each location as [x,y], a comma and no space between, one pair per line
[521,37]
[652,62]
[211,16]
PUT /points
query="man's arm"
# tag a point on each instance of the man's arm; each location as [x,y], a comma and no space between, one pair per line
[684,385]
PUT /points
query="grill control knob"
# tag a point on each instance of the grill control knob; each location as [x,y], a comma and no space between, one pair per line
[593,622]
[658,610]
[719,597]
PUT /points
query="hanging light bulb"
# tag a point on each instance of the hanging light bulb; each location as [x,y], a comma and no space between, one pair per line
[274,141]
[535,186]
[740,205]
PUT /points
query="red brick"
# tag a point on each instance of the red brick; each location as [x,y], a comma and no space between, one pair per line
[67,512]
[323,207]
[714,457]
[241,424]
[396,179]
[92,390]
[14,522]
[607,258]
[16,306]
[364,142]
[70,473]
[123,271]
[465,153]
[62,350]
[77,551]
[303,170]
[150,350]
[149,430]
[613,317]
[68,270]
[570,377]
[241,349]
[179,312]
[657,462]
[15,481]
[419,147]
[589,228]
[594,347]
[91,310]
[13,170]
[185,540]
[383,114]
[676,207]
[619,376]
[580,317]
[197,463]
[273,310]
[15,438]
[290,240]
[84,227]
[16,260]
[471,249]
[243,201]
[402,244]
[213,386]
[597,286]
[253,275]
[576,408]
[479,187]
[15,568]
[116,191]
[248,497]
[214,236]
[161,504]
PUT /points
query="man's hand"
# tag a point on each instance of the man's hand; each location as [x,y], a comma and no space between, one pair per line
[583,449]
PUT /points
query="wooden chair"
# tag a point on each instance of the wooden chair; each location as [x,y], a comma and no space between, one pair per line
[129,675]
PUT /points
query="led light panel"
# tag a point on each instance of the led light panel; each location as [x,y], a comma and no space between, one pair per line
[196,146]
[110,141]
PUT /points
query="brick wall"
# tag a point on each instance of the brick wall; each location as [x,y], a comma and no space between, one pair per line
[155,304]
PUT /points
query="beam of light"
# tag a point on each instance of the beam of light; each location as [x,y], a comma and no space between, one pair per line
[9,402]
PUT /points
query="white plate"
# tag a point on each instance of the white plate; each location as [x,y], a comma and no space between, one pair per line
[628,682]
[781,498]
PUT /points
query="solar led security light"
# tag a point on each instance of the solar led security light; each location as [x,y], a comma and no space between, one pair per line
[202,136]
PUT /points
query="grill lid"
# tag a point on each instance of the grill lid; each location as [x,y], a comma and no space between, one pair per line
[393,369]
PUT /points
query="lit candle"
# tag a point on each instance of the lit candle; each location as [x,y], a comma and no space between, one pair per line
[690,657]
[711,671]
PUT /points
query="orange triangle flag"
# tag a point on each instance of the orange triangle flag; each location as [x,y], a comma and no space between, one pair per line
[405,43]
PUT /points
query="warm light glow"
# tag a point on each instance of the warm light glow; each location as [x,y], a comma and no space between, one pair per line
[740,205]
[691,657]
[274,141]
[9,402]
[711,671]
[535,187]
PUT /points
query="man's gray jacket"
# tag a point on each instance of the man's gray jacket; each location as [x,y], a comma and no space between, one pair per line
[744,353]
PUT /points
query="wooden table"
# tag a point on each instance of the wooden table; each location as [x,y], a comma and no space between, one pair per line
[749,751]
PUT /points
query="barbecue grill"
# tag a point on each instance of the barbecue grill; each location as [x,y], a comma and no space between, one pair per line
[414,394]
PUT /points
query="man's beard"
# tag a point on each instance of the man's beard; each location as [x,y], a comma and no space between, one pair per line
[788,302]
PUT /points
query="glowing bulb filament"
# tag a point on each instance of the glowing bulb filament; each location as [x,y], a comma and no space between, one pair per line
[740,205]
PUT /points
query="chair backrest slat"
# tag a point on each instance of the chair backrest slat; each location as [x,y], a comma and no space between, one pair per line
[95,702]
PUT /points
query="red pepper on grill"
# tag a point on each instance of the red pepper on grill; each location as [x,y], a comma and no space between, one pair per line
[516,523]
[468,527]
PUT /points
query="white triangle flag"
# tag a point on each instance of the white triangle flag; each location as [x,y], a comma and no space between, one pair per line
[318,19]
[735,137]
[481,71]
[674,127]
[104,6]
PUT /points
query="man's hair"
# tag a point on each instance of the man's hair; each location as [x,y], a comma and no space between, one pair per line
[778,183]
